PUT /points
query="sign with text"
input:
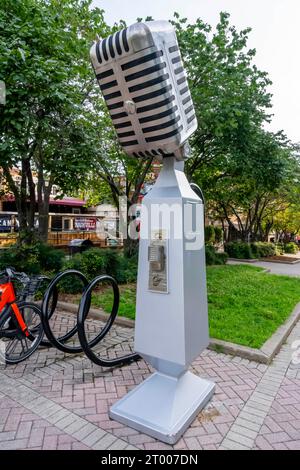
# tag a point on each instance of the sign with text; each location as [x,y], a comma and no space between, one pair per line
[85,223]
[5,223]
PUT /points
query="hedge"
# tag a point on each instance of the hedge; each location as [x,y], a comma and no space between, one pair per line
[32,259]
[96,261]
[213,257]
[243,250]
[239,250]
[291,248]
[263,249]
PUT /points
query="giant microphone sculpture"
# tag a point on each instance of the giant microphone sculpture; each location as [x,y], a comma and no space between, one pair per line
[143,81]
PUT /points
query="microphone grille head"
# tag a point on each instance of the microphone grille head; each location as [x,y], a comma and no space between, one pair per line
[144,84]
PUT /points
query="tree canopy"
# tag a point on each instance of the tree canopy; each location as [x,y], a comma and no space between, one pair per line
[55,124]
[45,123]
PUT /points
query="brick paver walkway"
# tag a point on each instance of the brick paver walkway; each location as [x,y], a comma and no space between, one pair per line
[59,401]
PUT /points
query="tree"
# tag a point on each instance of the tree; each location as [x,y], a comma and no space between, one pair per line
[115,175]
[230,99]
[251,194]
[229,93]
[285,219]
[241,167]
[45,124]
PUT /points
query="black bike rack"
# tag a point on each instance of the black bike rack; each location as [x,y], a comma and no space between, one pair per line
[86,346]
[59,343]
[82,315]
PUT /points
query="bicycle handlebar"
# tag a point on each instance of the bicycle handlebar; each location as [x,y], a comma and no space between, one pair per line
[12,274]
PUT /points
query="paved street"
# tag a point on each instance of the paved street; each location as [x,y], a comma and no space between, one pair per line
[59,401]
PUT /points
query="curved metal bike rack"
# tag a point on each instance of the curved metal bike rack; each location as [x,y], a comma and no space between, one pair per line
[59,343]
[82,315]
[84,307]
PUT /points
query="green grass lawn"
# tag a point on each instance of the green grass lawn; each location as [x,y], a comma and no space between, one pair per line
[246,305]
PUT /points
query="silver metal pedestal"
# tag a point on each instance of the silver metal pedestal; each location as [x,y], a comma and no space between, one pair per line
[164,406]
[171,327]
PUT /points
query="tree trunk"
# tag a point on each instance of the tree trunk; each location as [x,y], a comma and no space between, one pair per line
[26,230]
[131,243]
[32,199]
[131,247]
[43,219]
[43,192]
[43,209]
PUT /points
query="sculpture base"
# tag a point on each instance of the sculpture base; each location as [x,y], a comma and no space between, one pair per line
[163,406]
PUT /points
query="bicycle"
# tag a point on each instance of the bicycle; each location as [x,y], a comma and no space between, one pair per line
[21,330]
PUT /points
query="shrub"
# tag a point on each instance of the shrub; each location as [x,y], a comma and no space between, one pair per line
[263,249]
[212,257]
[279,248]
[127,269]
[98,261]
[218,235]
[221,258]
[32,259]
[239,250]
[210,234]
[291,248]
[71,284]
[50,258]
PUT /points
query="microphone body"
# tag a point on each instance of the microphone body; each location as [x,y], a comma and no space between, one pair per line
[143,81]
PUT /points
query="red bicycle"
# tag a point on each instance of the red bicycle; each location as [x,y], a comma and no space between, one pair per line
[21,330]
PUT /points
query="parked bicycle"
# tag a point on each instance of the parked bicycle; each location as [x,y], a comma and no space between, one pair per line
[21,330]
[23,322]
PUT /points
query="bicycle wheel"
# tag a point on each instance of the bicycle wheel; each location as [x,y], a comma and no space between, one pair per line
[52,302]
[15,346]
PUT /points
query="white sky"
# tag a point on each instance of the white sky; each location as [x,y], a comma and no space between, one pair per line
[275,35]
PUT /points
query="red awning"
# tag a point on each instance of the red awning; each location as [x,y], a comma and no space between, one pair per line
[66,201]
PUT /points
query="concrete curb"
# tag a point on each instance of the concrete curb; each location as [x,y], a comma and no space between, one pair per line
[254,260]
[266,260]
[264,355]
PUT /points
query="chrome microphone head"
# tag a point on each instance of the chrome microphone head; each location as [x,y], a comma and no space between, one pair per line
[143,81]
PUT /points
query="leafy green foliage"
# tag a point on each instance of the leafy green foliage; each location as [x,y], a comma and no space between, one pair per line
[218,235]
[213,257]
[291,248]
[48,124]
[241,167]
[243,250]
[279,246]
[239,250]
[263,249]
[229,92]
[210,234]
[32,259]
[96,261]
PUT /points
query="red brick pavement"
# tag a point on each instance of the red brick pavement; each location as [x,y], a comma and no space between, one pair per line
[281,428]
[22,429]
[88,391]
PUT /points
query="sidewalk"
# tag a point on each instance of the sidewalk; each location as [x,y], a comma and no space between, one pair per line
[59,401]
[275,268]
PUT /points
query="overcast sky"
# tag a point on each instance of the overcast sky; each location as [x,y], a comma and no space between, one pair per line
[275,35]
